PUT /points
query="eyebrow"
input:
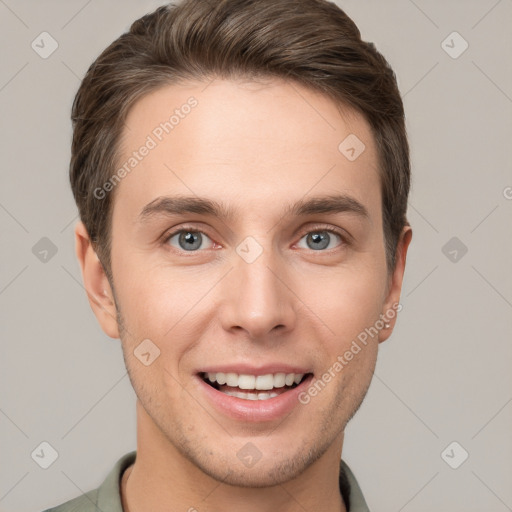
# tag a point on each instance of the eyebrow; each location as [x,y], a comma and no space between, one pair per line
[179,205]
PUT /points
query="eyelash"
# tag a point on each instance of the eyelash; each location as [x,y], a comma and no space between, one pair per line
[319,228]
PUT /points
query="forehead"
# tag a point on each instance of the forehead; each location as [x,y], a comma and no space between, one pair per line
[254,145]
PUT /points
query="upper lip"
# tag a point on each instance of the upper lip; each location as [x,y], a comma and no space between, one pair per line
[247,369]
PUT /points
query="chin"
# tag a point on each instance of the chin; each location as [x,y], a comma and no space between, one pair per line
[267,471]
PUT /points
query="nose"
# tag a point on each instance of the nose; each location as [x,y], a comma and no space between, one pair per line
[258,298]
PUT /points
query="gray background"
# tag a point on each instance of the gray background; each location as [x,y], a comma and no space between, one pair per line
[444,375]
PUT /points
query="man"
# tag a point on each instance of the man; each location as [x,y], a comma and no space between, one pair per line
[241,170]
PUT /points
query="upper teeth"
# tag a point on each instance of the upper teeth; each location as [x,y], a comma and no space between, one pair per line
[243,381]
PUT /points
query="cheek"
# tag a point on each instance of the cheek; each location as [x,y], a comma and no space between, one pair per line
[165,307]
[145,303]
[348,302]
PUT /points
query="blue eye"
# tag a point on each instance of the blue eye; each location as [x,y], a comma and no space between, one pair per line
[188,239]
[319,240]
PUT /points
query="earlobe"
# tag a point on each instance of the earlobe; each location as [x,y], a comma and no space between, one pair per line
[391,304]
[96,283]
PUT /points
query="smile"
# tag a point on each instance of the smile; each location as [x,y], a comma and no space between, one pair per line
[252,387]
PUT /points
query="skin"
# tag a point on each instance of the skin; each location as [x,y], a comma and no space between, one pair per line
[257,148]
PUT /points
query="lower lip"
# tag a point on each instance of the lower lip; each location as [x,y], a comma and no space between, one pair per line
[254,410]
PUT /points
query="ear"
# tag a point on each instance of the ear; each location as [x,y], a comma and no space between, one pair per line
[96,283]
[395,284]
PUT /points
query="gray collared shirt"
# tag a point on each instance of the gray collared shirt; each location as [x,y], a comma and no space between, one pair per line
[107,497]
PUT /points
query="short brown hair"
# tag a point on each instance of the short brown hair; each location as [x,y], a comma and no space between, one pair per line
[311,42]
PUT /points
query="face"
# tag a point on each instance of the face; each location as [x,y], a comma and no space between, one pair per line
[271,264]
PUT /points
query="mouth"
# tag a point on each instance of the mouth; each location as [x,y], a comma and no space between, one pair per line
[253,387]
